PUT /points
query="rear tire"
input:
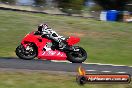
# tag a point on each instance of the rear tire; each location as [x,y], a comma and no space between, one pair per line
[71,56]
[20,52]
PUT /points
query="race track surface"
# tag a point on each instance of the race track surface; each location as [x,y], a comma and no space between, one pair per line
[16,63]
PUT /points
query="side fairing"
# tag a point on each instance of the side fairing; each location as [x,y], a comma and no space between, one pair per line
[73,40]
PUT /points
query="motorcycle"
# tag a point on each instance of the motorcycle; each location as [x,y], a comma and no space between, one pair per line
[35,45]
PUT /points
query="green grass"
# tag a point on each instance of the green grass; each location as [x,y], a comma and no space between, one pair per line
[105,42]
[44,80]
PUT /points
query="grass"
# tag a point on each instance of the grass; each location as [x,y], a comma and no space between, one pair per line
[105,42]
[44,80]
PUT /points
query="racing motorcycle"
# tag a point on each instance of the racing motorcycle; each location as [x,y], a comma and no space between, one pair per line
[35,45]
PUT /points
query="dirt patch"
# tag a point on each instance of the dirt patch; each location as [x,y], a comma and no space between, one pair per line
[74,34]
[94,34]
[104,34]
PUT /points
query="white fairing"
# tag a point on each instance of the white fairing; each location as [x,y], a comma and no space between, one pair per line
[48,46]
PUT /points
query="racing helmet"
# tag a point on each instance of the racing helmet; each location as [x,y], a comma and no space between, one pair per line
[42,27]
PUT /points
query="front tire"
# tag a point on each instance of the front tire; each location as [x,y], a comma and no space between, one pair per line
[77,56]
[22,53]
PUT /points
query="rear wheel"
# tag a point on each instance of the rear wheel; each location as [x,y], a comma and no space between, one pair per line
[27,54]
[77,56]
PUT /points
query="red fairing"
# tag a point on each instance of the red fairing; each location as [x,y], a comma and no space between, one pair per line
[42,43]
[30,38]
[72,40]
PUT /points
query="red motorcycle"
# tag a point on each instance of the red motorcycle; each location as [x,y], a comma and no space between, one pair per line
[35,45]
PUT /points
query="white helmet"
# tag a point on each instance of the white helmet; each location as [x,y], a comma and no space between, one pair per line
[42,27]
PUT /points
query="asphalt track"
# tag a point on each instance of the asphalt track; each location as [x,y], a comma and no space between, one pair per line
[16,63]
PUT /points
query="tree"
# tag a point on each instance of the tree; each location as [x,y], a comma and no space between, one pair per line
[39,2]
[128,6]
[71,6]
[112,4]
[9,1]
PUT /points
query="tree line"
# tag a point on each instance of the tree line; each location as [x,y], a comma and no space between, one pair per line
[75,6]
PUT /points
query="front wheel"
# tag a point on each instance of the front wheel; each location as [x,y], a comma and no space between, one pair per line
[26,54]
[77,56]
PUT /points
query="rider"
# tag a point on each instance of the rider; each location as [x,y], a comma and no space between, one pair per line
[45,31]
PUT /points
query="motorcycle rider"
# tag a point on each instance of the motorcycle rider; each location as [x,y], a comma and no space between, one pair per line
[47,32]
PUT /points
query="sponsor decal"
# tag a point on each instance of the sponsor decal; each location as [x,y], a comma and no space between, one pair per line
[84,77]
[52,53]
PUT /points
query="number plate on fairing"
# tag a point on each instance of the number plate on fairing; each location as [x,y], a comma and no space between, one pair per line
[52,55]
